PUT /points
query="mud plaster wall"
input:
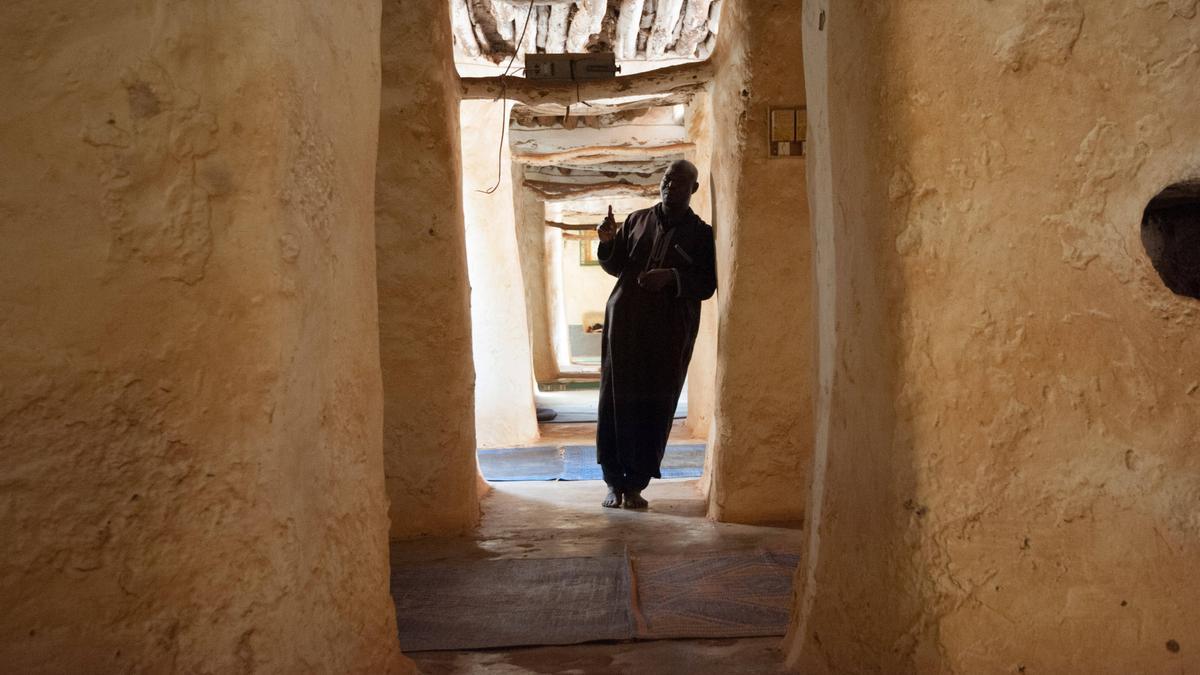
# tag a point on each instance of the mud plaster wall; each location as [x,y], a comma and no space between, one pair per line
[586,287]
[531,240]
[557,313]
[190,402]
[504,409]
[761,452]
[702,373]
[1027,498]
[424,294]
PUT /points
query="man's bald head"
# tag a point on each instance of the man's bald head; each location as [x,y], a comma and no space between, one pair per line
[684,167]
[678,185]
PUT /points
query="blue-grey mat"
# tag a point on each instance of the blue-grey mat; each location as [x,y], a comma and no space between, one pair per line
[714,595]
[575,462]
[504,603]
[485,604]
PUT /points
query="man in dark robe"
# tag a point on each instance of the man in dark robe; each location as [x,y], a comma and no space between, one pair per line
[664,261]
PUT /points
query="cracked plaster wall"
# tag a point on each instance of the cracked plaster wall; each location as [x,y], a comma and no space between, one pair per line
[763,408]
[1006,477]
[424,293]
[190,404]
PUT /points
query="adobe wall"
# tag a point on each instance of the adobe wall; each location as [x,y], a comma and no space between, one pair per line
[504,405]
[762,448]
[586,287]
[191,405]
[531,242]
[1006,476]
[424,293]
[702,373]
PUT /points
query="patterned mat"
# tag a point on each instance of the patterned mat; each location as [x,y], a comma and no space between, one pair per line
[745,594]
[503,603]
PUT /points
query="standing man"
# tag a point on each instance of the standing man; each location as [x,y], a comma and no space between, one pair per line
[665,263]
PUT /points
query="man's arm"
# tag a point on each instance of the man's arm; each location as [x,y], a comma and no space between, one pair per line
[699,281]
[613,251]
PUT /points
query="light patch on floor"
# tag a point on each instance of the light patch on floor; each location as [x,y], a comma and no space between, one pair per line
[580,405]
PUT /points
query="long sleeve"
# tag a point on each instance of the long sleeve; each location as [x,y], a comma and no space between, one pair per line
[699,281]
[614,254]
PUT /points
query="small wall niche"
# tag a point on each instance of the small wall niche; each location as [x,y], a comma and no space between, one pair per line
[1171,236]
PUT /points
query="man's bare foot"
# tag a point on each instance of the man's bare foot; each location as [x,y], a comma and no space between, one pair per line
[613,500]
[634,500]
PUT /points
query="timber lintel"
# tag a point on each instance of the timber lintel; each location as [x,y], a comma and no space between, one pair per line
[688,76]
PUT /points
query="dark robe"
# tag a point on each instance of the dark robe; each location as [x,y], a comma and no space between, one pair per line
[648,339]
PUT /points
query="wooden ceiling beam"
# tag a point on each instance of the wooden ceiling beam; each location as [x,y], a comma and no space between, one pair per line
[556,31]
[542,16]
[525,115]
[488,28]
[688,76]
[642,167]
[629,24]
[694,28]
[572,227]
[589,17]
[561,191]
[460,21]
[567,174]
[602,155]
[662,34]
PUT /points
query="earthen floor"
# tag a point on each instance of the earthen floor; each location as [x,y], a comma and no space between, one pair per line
[551,520]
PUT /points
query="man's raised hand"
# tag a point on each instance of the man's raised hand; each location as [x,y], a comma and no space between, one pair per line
[608,229]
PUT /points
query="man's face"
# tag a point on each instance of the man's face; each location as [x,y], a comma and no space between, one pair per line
[677,186]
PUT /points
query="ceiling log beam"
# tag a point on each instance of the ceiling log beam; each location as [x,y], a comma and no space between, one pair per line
[695,28]
[565,191]
[589,16]
[663,81]
[603,154]
[571,227]
[488,28]
[629,24]
[525,115]
[641,167]
[460,21]
[556,37]
[662,35]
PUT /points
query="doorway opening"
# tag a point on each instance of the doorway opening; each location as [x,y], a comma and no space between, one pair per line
[541,166]
[1171,236]
[557,166]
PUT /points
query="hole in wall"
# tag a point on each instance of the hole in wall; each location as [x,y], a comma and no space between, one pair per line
[1171,236]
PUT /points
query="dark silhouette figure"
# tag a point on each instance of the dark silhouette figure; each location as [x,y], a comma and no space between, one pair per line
[664,261]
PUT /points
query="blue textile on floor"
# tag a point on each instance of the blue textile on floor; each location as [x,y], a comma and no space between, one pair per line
[575,462]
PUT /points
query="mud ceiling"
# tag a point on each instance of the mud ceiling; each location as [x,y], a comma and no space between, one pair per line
[488,30]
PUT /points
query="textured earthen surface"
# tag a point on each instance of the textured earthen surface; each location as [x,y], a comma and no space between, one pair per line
[531,243]
[424,293]
[761,451]
[1006,477]
[190,403]
[504,411]
[702,373]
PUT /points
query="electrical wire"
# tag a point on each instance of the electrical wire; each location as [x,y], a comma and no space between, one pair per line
[578,97]
[504,104]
